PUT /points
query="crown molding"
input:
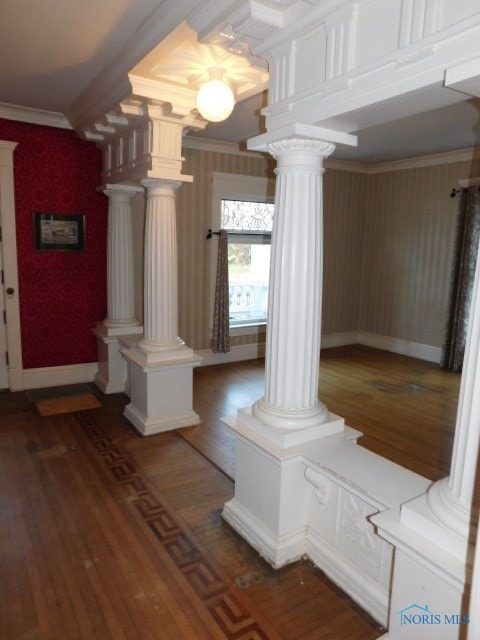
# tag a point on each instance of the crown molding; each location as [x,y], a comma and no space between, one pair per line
[55,119]
[33,116]
[448,157]
[344,165]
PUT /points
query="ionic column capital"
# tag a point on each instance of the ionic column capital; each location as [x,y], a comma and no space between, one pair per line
[160,188]
[300,153]
[120,192]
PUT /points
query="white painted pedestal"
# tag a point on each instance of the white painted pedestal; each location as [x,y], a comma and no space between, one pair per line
[161,390]
[427,591]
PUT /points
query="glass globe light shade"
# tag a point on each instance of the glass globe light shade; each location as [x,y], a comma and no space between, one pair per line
[215,101]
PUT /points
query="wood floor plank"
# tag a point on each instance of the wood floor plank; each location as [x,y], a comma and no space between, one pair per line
[393,399]
[105,535]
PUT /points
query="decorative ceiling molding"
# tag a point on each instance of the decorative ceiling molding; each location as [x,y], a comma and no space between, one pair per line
[111,86]
[34,116]
[183,63]
[136,110]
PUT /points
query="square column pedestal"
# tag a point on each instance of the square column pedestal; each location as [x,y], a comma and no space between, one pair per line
[270,507]
[311,493]
[161,388]
[112,375]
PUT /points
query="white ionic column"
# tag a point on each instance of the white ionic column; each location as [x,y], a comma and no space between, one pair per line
[120,325]
[295,289]
[451,499]
[161,279]
[270,506]
[120,287]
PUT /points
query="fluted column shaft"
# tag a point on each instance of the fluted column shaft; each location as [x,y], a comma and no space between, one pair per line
[120,279]
[295,288]
[161,279]
[451,498]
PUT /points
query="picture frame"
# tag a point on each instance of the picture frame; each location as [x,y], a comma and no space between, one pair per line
[59,232]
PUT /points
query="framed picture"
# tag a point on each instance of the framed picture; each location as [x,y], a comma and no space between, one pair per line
[59,232]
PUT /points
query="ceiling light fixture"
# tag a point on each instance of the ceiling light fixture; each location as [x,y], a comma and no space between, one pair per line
[215,100]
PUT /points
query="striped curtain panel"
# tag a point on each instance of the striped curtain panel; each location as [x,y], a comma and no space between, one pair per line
[221,320]
[463,274]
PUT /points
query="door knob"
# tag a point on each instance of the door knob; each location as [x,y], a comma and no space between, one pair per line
[10,291]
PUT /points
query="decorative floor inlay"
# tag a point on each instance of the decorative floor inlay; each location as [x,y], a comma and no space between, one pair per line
[225,608]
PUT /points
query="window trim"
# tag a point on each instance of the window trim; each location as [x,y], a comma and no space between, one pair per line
[233,186]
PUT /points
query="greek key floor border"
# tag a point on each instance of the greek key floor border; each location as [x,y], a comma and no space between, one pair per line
[228,612]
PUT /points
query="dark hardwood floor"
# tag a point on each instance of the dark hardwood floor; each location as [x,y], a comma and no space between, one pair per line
[405,407]
[105,535]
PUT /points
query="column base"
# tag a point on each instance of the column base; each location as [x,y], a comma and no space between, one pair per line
[161,390]
[112,375]
[287,437]
[118,327]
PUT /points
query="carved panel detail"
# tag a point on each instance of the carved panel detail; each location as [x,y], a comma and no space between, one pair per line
[356,537]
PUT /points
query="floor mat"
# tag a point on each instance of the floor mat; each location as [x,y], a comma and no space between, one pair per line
[66,399]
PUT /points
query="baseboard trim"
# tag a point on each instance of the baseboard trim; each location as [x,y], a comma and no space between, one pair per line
[330,340]
[57,376]
[367,593]
[276,551]
[402,347]
[78,373]
[377,341]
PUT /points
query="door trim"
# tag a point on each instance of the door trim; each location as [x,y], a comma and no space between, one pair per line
[10,264]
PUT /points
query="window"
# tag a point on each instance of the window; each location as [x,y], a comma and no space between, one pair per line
[249,225]
[244,206]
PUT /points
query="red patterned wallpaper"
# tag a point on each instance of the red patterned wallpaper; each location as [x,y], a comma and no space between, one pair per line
[62,295]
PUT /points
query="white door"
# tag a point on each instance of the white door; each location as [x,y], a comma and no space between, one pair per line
[4,381]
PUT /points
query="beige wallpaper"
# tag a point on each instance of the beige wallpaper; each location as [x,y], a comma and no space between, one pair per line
[387,253]
[344,200]
[409,229]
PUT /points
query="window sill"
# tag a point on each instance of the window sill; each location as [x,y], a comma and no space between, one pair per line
[248,329]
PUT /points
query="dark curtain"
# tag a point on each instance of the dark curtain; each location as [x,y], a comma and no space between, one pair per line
[463,273]
[221,320]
